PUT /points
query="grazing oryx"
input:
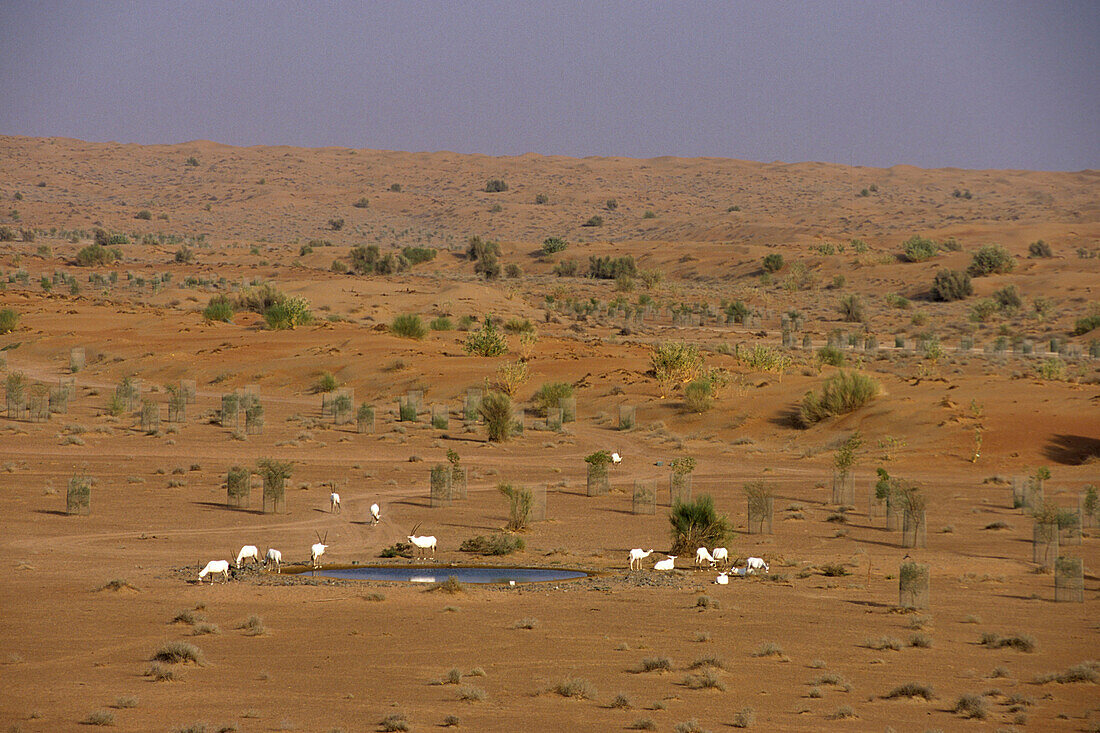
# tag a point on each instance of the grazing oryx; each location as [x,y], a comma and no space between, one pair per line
[248,552]
[721,554]
[318,549]
[756,563]
[668,564]
[375,514]
[213,568]
[637,555]
[334,502]
[427,542]
[722,579]
[702,555]
[274,556]
[616,458]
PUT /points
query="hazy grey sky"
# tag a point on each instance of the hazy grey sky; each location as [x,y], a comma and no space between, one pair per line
[968,84]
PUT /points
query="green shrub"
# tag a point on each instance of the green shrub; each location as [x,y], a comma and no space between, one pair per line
[919,249]
[520,504]
[697,524]
[1039,248]
[773,262]
[326,383]
[699,395]
[736,311]
[949,285]
[144,214]
[842,393]
[550,395]
[851,308]
[369,260]
[97,254]
[992,258]
[408,325]
[362,203]
[184,255]
[9,319]
[675,363]
[289,314]
[499,543]
[609,268]
[594,221]
[541,198]
[417,255]
[496,411]
[441,324]
[336,224]
[831,355]
[552,245]
[7,234]
[219,308]
[566,268]
[486,341]
[1086,324]
[1008,298]
[476,249]
[192,162]
[496,185]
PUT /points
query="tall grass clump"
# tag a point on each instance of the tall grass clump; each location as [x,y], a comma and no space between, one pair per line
[486,341]
[841,393]
[289,314]
[408,325]
[520,503]
[575,687]
[219,308]
[550,394]
[178,652]
[697,524]
[496,410]
[9,319]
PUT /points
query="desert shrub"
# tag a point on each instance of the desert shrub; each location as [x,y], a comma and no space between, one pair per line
[326,383]
[851,308]
[253,626]
[1021,642]
[844,712]
[7,234]
[918,249]
[675,363]
[708,660]
[1052,369]
[566,268]
[396,722]
[496,410]
[259,298]
[654,664]
[736,312]
[610,268]
[512,270]
[620,702]
[1084,672]
[398,549]
[550,395]
[100,717]
[362,203]
[1008,298]
[289,314]
[699,395]
[990,259]
[541,198]
[477,249]
[594,221]
[830,355]
[125,702]
[552,245]
[178,652]
[1039,248]
[442,323]
[773,262]
[9,319]
[219,308]
[495,185]
[950,285]
[97,254]
[883,642]
[486,341]
[744,718]
[971,707]
[518,325]
[1086,324]
[834,570]
[336,224]
[920,641]
[417,255]
[184,255]
[469,693]
[763,358]
[408,325]
[911,689]
[488,267]
[520,504]
[842,393]
[697,524]
[642,724]
[575,687]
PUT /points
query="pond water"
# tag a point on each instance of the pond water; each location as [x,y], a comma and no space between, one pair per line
[440,574]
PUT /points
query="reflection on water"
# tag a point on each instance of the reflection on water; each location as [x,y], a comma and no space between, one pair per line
[465,575]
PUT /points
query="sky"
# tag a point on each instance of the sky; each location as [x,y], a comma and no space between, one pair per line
[933,84]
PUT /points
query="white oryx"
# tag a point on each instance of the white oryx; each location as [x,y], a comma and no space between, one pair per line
[756,563]
[722,579]
[426,542]
[721,554]
[248,552]
[318,549]
[375,514]
[213,568]
[667,564]
[274,556]
[334,502]
[702,555]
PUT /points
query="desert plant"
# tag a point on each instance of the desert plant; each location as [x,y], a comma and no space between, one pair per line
[553,245]
[336,224]
[971,707]
[594,221]
[219,308]
[442,323]
[486,341]
[949,285]
[654,664]
[773,262]
[1039,248]
[1020,642]
[326,383]
[178,652]
[550,395]
[289,314]
[990,259]
[362,203]
[919,249]
[697,524]
[699,395]
[575,687]
[498,543]
[97,254]
[496,410]
[408,325]
[520,503]
[184,255]
[100,717]
[851,308]
[744,718]
[511,375]
[674,363]
[9,319]
[1086,324]
[841,393]
[496,185]
[396,722]
[911,689]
